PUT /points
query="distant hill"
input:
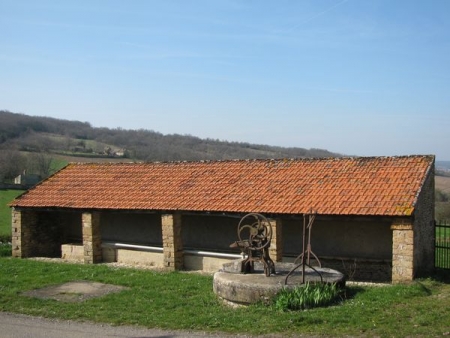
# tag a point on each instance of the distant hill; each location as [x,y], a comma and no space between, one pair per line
[443,167]
[74,138]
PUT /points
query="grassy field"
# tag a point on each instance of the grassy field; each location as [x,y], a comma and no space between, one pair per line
[185,301]
[442,183]
[6,196]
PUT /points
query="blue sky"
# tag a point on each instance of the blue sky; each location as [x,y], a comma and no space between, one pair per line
[355,77]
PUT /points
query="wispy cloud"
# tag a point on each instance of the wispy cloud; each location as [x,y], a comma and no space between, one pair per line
[343,90]
[315,16]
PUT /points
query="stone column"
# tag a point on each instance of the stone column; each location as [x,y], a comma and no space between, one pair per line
[172,241]
[276,246]
[21,232]
[402,252]
[92,239]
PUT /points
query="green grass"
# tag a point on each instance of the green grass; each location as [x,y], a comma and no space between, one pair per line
[57,164]
[186,302]
[308,296]
[6,196]
[5,250]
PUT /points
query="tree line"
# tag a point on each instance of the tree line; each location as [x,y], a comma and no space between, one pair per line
[43,137]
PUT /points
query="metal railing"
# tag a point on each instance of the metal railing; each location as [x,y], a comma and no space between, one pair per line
[442,245]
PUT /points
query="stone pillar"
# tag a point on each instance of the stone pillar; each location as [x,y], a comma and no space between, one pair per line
[172,241]
[402,252]
[276,246]
[92,239]
[21,232]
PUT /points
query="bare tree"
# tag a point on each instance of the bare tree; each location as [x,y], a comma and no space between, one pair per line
[12,164]
[39,163]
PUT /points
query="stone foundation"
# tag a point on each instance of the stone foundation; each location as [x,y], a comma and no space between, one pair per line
[134,257]
[72,252]
[204,263]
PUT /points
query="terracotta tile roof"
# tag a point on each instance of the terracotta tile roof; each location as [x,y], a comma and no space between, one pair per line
[343,186]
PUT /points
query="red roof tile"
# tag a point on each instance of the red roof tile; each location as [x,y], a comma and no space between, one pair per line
[345,186]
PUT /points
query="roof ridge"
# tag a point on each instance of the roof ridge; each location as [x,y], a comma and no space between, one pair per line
[284,159]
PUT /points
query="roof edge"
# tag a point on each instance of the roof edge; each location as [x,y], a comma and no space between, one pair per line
[13,203]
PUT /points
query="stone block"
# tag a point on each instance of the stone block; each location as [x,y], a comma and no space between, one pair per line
[72,252]
[135,257]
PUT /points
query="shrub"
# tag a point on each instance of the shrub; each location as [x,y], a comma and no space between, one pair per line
[308,296]
[5,238]
[5,250]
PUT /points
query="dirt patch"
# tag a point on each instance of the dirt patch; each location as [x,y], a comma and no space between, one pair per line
[76,291]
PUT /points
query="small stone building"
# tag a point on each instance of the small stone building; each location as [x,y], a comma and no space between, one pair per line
[375,215]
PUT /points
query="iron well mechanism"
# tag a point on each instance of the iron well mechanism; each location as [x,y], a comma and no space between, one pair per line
[255,233]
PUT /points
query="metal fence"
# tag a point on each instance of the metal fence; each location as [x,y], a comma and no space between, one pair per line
[442,245]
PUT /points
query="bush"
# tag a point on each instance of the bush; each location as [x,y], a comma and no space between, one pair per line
[5,239]
[441,196]
[308,296]
[5,250]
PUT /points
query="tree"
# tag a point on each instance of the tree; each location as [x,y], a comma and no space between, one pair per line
[12,164]
[40,164]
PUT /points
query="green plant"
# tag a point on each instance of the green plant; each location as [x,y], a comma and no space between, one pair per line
[306,297]
[5,250]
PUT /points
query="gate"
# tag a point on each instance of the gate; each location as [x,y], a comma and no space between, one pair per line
[442,246]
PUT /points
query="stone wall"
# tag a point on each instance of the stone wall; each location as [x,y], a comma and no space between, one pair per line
[357,269]
[145,258]
[22,222]
[92,239]
[204,263]
[36,233]
[402,251]
[413,237]
[207,232]
[72,252]
[276,246]
[348,237]
[377,271]
[136,228]
[424,229]
[172,241]
[368,249]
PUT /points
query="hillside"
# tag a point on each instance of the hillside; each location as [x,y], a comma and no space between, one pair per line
[442,183]
[74,138]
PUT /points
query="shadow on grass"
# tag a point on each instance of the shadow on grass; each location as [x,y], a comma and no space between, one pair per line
[350,292]
[442,275]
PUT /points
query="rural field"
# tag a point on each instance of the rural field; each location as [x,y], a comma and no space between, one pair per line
[443,183]
[442,207]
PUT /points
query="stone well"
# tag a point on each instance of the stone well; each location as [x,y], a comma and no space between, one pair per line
[243,289]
